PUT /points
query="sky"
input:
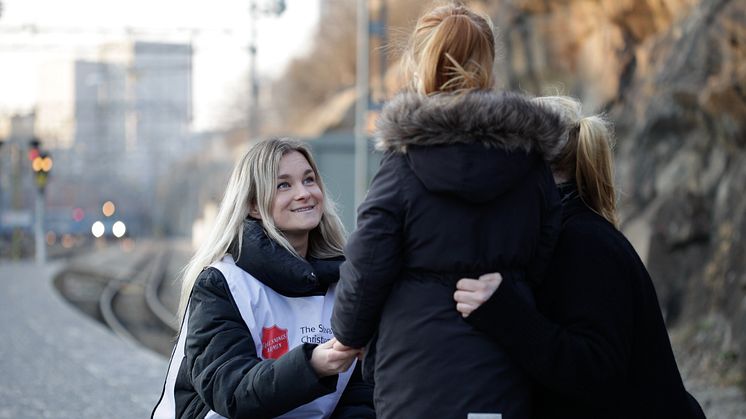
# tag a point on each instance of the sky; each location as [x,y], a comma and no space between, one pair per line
[35,32]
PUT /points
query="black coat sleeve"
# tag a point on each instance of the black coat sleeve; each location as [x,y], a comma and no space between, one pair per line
[357,399]
[551,223]
[224,367]
[584,352]
[374,258]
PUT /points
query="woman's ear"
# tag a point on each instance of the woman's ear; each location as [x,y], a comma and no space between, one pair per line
[254,212]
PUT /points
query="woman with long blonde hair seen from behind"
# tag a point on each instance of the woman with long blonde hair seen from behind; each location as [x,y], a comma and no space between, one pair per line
[595,344]
[462,187]
[255,339]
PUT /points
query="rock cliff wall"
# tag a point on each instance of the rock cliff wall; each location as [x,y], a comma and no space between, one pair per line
[672,75]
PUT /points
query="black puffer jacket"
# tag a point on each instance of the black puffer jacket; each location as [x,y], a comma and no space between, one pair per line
[220,370]
[463,190]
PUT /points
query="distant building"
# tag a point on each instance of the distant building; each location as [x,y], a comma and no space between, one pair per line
[120,118]
[17,127]
[56,106]
[135,100]
[146,95]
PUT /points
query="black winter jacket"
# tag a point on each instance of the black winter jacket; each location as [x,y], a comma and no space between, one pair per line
[461,191]
[221,370]
[597,347]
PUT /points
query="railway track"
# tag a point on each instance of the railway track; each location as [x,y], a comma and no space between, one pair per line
[123,294]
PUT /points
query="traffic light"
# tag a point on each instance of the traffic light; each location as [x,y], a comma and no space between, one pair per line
[41,163]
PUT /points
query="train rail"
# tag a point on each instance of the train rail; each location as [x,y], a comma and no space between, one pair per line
[123,294]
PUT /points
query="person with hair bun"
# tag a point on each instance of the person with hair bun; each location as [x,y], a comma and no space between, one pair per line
[595,343]
[463,189]
[255,339]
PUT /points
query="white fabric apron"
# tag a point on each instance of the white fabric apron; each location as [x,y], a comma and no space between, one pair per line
[277,325]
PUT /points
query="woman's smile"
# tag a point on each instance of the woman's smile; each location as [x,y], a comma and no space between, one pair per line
[304,209]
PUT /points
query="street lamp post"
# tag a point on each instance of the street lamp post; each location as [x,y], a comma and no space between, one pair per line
[41,163]
[276,8]
[361,106]
[253,79]
[368,105]
[2,143]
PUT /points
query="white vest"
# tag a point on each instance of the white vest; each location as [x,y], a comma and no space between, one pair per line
[277,325]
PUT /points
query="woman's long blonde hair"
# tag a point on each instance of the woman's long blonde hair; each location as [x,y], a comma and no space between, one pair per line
[253,183]
[452,49]
[586,154]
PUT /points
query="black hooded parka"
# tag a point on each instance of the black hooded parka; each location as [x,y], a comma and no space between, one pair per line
[463,190]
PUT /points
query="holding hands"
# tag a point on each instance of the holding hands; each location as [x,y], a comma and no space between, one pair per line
[359,353]
[472,293]
[331,357]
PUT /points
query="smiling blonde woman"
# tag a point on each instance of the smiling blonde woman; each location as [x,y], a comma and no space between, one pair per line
[255,339]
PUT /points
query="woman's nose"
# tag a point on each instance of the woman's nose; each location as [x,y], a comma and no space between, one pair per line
[302,193]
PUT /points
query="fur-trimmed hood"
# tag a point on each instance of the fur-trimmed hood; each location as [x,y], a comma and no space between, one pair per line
[503,120]
[475,145]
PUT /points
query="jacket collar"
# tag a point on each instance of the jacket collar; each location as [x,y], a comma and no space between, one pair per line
[572,203]
[279,269]
[500,120]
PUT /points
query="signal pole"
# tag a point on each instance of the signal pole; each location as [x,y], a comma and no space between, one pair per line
[41,163]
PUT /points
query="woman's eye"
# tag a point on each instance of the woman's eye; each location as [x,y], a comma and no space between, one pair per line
[283,185]
[309,181]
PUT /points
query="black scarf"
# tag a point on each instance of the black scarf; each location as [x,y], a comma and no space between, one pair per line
[279,269]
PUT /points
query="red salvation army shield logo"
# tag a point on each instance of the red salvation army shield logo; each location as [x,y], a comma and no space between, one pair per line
[274,342]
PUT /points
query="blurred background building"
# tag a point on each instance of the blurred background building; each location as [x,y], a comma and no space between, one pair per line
[116,124]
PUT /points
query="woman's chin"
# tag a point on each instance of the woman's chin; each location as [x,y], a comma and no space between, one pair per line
[301,227]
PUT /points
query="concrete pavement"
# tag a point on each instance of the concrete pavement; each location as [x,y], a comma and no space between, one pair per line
[55,362]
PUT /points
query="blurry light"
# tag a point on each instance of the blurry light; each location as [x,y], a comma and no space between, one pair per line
[97,229]
[108,208]
[78,214]
[68,241]
[46,164]
[118,229]
[37,164]
[51,238]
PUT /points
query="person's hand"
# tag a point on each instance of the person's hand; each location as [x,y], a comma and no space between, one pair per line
[360,353]
[472,293]
[326,360]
